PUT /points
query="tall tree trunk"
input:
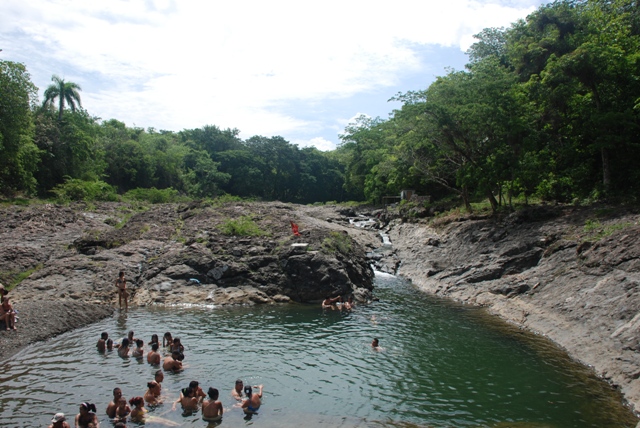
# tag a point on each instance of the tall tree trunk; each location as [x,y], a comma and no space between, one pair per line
[465,198]
[492,200]
[606,170]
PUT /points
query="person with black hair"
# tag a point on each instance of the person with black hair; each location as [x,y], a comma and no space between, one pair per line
[212,409]
[153,356]
[252,403]
[87,416]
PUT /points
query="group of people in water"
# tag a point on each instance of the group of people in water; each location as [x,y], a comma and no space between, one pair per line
[191,398]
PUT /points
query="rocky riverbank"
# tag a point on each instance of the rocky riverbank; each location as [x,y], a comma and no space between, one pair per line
[571,274]
[68,258]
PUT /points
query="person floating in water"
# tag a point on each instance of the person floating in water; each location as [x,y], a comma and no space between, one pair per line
[167,339]
[375,345]
[349,303]
[252,403]
[123,349]
[121,285]
[212,409]
[123,410]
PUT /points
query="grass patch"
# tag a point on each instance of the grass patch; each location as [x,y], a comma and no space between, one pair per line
[337,242]
[18,278]
[243,226]
[596,231]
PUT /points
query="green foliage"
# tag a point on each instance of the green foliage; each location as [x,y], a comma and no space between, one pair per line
[243,226]
[596,231]
[19,156]
[21,276]
[154,196]
[78,190]
[337,242]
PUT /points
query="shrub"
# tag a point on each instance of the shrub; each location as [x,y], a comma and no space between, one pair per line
[337,242]
[243,226]
[154,196]
[75,189]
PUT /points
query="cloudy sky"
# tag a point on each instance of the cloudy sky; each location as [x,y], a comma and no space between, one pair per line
[299,69]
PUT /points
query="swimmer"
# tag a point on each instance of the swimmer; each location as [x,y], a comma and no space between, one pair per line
[172,362]
[153,357]
[154,339]
[253,401]
[349,303]
[176,345]
[123,349]
[138,412]
[159,377]
[59,421]
[113,405]
[109,345]
[198,392]
[87,416]
[375,345]
[236,392]
[123,410]
[212,408]
[330,302]
[152,396]
[102,342]
[139,351]
[187,399]
[167,340]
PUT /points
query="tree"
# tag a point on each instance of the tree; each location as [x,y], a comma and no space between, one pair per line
[64,91]
[18,154]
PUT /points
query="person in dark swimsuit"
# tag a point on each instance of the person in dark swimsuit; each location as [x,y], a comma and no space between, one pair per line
[87,416]
[253,401]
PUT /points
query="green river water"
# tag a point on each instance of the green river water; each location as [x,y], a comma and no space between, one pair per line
[442,365]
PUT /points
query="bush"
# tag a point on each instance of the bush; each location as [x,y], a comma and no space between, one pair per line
[75,189]
[337,242]
[244,226]
[154,196]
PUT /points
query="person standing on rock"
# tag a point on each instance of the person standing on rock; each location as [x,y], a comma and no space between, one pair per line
[8,314]
[121,285]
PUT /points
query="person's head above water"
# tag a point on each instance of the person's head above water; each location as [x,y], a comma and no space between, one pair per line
[247,390]
[375,343]
[213,393]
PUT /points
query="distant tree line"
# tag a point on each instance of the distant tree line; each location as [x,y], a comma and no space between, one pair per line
[547,108]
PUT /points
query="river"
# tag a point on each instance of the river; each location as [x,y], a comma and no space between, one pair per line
[442,365]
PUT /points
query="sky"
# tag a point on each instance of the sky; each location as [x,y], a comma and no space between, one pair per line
[299,69]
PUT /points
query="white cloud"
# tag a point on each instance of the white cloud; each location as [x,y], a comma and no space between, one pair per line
[320,143]
[175,65]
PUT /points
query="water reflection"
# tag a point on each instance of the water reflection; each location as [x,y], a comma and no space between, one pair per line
[443,365]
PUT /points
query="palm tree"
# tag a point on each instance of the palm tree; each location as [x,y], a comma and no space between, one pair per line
[64,91]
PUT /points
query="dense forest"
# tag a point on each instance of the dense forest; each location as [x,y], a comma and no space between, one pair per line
[547,108]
